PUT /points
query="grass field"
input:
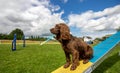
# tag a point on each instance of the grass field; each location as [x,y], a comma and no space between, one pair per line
[46,58]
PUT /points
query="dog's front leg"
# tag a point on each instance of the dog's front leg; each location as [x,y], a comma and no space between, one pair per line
[75,60]
[68,61]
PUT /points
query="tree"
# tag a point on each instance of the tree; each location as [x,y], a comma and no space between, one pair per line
[3,36]
[18,32]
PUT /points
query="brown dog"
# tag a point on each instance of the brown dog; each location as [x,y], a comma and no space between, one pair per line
[72,45]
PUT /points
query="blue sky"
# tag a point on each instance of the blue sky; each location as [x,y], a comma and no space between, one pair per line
[81,6]
[94,18]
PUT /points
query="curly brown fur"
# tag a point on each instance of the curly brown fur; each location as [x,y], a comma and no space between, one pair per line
[72,46]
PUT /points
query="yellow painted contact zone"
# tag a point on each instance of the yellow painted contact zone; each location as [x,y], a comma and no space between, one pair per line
[80,69]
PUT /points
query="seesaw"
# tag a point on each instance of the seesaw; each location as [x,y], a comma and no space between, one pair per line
[48,39]
[101,52]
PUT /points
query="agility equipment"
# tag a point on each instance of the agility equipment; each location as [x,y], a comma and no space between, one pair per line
[48,39]
[14,42]
[23,41]
[101,51]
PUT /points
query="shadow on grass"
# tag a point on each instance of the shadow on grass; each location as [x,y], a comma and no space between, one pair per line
[107,63]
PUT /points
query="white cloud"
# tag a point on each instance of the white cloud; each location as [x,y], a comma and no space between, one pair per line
[36,17]
[90,21]
[32,16]
[65,1]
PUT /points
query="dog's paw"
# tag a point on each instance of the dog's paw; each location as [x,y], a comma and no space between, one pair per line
[73,67]
[66,65]
[85,61]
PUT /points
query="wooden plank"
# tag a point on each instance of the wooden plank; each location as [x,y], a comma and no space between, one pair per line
[80,69]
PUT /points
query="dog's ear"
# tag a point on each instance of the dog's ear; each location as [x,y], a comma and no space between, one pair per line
[65,36]
[64,32]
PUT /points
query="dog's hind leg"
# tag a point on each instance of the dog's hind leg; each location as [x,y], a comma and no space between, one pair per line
[88,54]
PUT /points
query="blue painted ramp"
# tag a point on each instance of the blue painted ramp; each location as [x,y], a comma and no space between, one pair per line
[102,48]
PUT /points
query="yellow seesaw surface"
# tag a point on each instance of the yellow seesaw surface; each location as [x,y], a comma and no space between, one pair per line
[80,69]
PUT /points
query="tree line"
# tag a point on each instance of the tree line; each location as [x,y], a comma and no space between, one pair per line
[37,38]
[20,35]
[10,36]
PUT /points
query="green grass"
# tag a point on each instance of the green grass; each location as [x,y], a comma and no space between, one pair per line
[31,59]
[45,59]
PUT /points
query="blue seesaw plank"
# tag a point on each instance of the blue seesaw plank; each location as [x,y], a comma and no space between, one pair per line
[102,48]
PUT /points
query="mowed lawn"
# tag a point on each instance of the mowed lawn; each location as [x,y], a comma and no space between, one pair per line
[46,58]
[31,59]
